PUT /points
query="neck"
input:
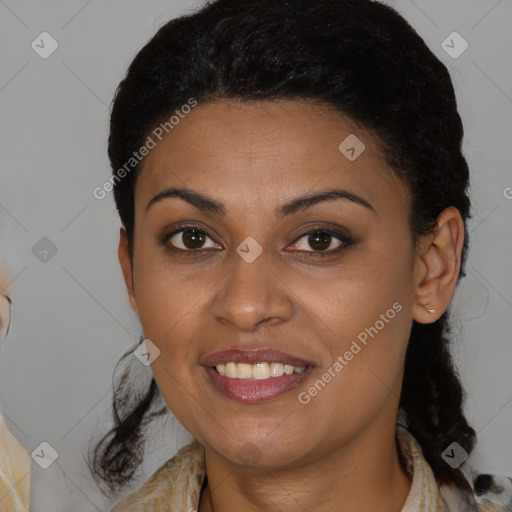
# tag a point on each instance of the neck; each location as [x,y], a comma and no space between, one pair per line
[368,476]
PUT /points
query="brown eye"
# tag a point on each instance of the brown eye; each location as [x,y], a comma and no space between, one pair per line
[193,239]
[319,241]
[189,239]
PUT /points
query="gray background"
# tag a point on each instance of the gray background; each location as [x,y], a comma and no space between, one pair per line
[71,320]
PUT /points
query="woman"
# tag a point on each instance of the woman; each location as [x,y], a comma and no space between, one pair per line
[292,192]
[14,460]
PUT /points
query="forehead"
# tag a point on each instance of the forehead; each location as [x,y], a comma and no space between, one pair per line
[247,152]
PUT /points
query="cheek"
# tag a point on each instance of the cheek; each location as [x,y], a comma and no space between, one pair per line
[361,315]
[365,367]
[356,295]
[173,314]
[168,313]
[367,327]
[162,294]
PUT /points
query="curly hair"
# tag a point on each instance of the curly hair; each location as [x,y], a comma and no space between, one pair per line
[362,59]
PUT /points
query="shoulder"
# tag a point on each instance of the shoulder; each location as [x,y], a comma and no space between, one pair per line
[174,486]
[490,492]
[15,464]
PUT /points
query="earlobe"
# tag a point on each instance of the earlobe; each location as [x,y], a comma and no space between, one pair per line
[127,268]
[439,263]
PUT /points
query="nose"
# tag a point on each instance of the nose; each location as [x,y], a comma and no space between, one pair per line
[252,295]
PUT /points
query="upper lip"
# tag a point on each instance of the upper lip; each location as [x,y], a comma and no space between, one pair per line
[259,355]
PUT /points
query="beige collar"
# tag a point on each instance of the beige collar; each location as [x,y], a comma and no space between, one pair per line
[424,494]
[176,486]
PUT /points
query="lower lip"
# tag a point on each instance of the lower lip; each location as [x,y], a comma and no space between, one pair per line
[245,390]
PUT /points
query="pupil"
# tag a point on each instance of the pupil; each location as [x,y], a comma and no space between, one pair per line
[191,237]
[322,240]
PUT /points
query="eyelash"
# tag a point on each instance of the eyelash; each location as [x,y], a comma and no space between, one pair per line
[195,253]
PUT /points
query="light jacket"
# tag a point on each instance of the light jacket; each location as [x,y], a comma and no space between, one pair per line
[176,485]
[14,473]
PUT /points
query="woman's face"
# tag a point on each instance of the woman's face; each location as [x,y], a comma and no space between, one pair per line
[260,284]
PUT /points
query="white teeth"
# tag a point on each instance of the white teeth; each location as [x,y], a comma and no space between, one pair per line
[288,369]
[231,370]
[244,371]
[258,371]
[276,369]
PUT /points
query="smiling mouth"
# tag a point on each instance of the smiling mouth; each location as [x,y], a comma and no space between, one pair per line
[258,371]
[258,375]
[257,390]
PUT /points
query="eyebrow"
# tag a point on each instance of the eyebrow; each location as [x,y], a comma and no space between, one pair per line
[208,205]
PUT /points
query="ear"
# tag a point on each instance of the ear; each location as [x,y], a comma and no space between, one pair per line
[126,267]
[438,266]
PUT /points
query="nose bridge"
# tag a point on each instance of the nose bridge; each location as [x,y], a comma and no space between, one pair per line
[251,293]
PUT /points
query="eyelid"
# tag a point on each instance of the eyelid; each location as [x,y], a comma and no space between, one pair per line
[333,233]
[180,228]
[341,234]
